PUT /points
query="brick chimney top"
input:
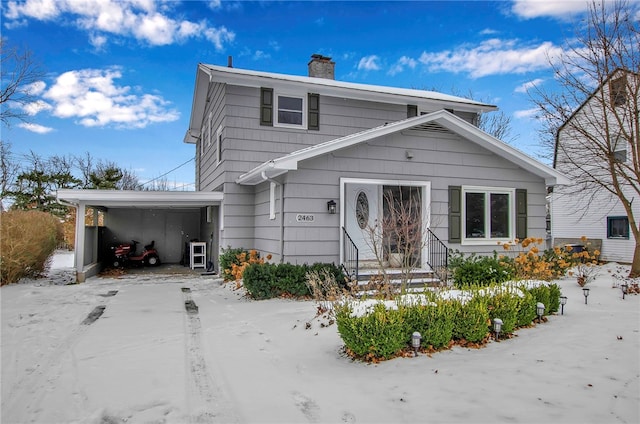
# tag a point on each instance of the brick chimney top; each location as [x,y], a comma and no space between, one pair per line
[321,67]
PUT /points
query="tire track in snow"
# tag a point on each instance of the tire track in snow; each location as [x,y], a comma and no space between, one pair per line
[204,399]
[26,396]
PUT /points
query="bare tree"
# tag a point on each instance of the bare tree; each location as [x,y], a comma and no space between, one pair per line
[595,113]
[8,172]
[18,74]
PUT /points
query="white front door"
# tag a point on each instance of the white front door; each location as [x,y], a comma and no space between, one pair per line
[365,203]
[362,215]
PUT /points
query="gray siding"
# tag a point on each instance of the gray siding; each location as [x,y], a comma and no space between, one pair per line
[439,157]
[442,159]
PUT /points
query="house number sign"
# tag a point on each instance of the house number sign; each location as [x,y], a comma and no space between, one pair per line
[305,217]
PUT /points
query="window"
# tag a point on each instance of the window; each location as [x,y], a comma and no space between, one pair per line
[488,213]
[219,145]
[618,227]
[619,149]
[290,111]
[618,91]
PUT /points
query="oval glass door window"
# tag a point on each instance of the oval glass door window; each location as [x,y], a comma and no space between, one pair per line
[362,210]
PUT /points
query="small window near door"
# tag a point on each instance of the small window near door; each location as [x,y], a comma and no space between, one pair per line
[362,210]
[618,227]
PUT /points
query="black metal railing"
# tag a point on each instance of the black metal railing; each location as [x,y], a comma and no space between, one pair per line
[438,257]
[350,260]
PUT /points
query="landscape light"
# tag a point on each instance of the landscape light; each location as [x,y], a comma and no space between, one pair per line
[415,342]
[497,327]
[540,310]
[585,292]
[563,301]
[625,290]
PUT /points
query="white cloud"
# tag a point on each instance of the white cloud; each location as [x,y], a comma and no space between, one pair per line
[260,55]
[488,31]
[491,57]
[528,113]
[523,88]
[529,9]
[36,128]
[369,63]
[92,97]
[36,107]
[401,64]
[146,20]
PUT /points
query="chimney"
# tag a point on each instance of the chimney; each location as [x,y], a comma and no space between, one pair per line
[321,67]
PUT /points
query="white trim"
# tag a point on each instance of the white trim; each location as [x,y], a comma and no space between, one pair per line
[276,109]
[219,145]
[425,211]
[487,212]
[272,200]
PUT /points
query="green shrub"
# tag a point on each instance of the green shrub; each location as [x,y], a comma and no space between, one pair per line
[379,334]
[504,303]
[542,293]
[291,279]
[259,280]
[264,281]
[229,257]
[554,298]
[28,240]
[472,319]
[434,322]
[478,270]
[526,309]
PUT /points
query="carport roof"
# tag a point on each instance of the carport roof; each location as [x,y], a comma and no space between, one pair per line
[139,199]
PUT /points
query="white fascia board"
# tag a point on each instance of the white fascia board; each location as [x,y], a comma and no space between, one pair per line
[199,103]
[349,90]
[130,198]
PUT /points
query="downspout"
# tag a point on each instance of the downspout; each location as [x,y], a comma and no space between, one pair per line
[281,241]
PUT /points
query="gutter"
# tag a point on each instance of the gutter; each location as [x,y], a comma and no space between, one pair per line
[281,241]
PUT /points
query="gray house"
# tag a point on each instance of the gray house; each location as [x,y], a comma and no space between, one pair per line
[303,167]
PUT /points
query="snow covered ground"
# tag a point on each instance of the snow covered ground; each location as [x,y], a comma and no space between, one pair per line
[148,360]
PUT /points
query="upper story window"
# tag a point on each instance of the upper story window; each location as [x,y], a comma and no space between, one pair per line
[619,149]
[289,110]
[618,91]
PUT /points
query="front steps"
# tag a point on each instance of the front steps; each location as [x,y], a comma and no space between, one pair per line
[420,278]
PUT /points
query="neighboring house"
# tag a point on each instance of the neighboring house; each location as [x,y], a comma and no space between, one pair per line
[599,130]
[297,166]
[283,149]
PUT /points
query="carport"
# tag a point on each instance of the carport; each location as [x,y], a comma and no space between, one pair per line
[170,218]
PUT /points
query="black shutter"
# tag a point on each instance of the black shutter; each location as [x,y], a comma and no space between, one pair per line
[313,118]
[266,106]
[412,110]
[521,213]
[455,214]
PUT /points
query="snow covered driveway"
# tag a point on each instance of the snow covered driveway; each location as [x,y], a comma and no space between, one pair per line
[141,360]
[150,359]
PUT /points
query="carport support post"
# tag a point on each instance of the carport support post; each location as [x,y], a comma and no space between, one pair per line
[79,242]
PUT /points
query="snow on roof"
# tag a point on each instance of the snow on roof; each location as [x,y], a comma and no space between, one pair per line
[256,78]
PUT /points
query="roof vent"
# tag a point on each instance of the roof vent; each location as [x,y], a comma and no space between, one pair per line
[321,67]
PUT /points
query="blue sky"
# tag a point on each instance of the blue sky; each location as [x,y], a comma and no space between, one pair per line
[120,74]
